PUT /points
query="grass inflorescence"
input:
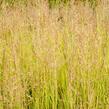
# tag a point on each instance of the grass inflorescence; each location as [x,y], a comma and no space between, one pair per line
[54,58]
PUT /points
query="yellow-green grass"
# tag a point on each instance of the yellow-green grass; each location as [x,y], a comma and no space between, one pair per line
[52,63]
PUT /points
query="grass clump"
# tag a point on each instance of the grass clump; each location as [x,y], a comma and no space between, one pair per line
[54,58]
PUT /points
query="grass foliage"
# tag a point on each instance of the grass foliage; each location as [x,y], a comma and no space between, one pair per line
[52,3]
[54,58]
